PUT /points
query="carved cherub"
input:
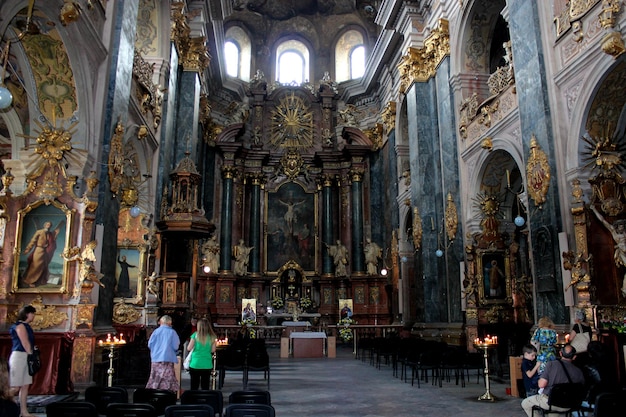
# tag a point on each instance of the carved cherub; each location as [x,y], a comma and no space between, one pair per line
[153,284]
[87,260]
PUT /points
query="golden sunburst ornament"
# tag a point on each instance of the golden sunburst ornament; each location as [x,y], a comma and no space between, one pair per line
[292,123]
[53,142]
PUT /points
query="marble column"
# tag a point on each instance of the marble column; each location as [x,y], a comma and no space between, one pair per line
[187,116]
[255,224]
[358,257]
[118,99]
[327,224]
[226,221]
[535,118]
[427,195]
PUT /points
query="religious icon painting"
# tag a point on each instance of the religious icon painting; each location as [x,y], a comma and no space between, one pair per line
[345,308]
[43,232]
[248,310]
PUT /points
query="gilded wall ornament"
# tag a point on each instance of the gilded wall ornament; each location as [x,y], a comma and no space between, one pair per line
[292,123]
[389,117]
[537,173]
[45,317]
[124,313]
[417,229]
[291,163]
[451,218]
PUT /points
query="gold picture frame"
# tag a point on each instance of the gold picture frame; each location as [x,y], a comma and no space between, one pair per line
[346,308]
[493,266]
[130,263]
[43,232]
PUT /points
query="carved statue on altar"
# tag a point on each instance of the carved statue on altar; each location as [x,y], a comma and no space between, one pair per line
[211,254]
[87,260]
[339,253]
[373,252]
[618,231]
[241,252]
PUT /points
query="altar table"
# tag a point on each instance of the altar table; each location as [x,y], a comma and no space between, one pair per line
[308,344]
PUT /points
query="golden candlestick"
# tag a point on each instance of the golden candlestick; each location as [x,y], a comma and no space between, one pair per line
[485,345]
[111,343]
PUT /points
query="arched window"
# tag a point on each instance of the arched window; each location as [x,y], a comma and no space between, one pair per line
[357,62]
[292,62]
[231,58]
[349,56]
[237,53]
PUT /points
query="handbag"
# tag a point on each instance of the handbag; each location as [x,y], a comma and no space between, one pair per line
[34,361]
[187,361]
[581,341]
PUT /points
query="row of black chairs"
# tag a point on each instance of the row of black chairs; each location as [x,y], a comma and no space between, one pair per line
[246,357]
[569,399]
[158,401]
[422,358]
[87,409]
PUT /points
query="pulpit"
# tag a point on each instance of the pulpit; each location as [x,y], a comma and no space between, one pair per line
[308,344]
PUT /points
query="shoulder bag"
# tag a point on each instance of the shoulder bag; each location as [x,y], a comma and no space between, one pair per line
[34,361]
[581,340]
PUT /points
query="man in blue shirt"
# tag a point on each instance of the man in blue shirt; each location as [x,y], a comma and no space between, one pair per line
[163,345]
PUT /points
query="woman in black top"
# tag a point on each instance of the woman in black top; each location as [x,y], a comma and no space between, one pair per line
[23,342]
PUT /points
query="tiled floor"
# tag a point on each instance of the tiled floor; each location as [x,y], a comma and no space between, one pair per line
[346,387]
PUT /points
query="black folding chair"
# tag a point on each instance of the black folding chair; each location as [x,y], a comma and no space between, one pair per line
[249,410]
[250,397]
[131,410]
[214,398]
[568,397]
[71,409]
[101,397]
[189,410]
[158,398]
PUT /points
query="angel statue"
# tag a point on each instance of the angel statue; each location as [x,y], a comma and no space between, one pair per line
[153,284]
[87,261]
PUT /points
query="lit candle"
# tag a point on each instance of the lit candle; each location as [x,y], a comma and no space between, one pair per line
[566,338]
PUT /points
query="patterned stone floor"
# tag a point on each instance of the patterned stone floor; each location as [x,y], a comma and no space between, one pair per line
[348,387]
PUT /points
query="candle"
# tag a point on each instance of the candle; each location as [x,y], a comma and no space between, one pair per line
[508,179]
[566,338]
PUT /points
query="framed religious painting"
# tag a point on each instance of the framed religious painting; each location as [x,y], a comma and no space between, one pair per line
[345,308]
[43,232]
[129,273]
[291,226]
[248,310]
[494,276]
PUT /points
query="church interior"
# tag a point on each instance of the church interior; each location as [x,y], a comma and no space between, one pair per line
[450,170]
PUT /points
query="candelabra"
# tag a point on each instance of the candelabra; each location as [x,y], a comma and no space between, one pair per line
[485,345]
[112,343]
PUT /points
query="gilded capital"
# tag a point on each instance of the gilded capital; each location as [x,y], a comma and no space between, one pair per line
[420,64]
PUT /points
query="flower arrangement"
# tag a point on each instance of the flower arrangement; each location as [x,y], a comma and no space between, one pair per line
[305,303]
[618,325]
[345,332]
[277,303]
[249,323]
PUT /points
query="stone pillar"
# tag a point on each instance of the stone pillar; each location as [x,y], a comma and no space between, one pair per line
[358,257]
[187,114]
[116,110]
[226,223]
[536,119]
[327,223]
[255,224]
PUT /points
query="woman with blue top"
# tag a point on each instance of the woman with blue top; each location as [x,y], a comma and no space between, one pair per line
[544,339]
[23,343]
[163,344]
[203,346]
